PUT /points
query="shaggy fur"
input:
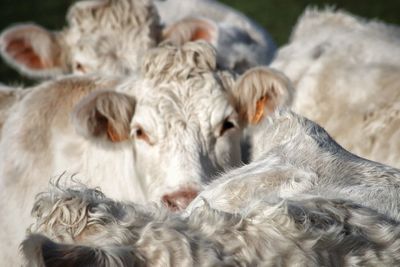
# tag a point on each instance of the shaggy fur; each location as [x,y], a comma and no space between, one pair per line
[346,74]
[87,229]
[157,136]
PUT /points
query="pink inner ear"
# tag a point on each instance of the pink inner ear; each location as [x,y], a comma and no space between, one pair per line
[202,34]
[114,136]
[204,31]
[191,29]
[23,53]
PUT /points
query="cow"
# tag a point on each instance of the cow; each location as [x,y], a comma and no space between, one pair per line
[346,73]
[106,37]
[156,136]
[82,227]
[293,156]
[241,43]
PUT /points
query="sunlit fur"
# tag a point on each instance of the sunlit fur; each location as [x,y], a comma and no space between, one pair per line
[345,71]
[8,97]
[84,228]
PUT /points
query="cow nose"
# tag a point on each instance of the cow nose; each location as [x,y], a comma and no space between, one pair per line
[179,200]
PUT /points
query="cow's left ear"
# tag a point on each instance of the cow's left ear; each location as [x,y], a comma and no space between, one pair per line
[259,92]
[191,29]
[39,250]
[105,114]
[33,50]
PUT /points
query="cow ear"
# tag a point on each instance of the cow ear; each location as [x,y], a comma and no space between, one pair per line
[104,114]
[191,29]
[32,50]
[259,92]
[39,250]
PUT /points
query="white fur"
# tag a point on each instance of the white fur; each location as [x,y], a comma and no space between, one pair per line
[8,97]
[345,71]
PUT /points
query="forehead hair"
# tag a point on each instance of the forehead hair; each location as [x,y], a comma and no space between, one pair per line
[111,15]
[170,62]
[185,69]
[182,83]
[113,33]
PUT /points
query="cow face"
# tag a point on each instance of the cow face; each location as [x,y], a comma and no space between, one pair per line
[183,118]
[103,36]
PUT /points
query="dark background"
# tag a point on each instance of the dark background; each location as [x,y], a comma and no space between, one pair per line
[278,16]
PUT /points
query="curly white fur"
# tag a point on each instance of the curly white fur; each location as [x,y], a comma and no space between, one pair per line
[269,232]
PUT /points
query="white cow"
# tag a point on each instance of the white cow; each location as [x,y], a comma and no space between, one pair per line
[241,43]
[155,137]
[346,74]
[293,157]
[106,37]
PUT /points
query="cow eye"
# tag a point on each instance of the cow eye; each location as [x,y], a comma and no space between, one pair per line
[226,126]
[140,134]
[79,67]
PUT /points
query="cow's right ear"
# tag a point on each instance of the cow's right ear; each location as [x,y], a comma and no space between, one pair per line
[105,114]
[33,50]
[259,92]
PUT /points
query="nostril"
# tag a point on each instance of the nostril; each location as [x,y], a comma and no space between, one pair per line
[168,201]
[179,200]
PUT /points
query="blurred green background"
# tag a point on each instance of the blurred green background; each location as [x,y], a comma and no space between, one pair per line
[278,16]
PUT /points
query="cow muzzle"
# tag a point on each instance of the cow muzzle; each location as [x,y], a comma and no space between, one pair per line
[179,200]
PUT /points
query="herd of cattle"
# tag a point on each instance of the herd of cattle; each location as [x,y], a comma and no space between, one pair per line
[171,133]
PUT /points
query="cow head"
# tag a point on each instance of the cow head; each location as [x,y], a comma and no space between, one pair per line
[103,36]
[183,117]
[236,49]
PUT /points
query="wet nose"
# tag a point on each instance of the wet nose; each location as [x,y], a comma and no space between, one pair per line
[179,200]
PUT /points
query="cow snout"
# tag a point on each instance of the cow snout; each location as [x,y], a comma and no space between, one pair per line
[179,200]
